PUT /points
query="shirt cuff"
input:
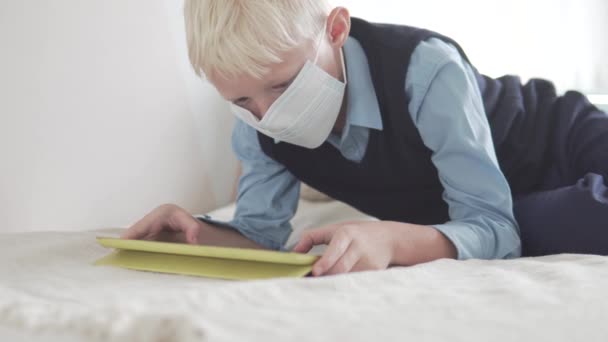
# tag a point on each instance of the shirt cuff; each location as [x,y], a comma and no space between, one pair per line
[248,233]
[464,239]
[480,244]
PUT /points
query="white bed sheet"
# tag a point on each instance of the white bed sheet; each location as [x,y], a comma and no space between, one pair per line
[49,288]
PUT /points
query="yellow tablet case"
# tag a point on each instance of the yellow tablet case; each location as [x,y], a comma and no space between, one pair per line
[204,261]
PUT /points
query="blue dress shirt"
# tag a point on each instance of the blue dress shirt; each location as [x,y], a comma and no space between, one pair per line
[446,107]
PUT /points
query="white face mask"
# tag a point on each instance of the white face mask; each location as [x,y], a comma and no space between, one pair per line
[306,112]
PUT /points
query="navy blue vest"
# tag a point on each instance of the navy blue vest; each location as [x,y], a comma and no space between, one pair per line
[396,179]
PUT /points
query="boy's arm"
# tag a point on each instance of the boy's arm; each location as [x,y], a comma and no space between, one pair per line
[267,197]
[447,107]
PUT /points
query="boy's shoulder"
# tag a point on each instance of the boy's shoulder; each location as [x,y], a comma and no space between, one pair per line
[244,139]
[436,50]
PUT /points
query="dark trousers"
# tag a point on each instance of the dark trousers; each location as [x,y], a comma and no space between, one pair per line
[569,212]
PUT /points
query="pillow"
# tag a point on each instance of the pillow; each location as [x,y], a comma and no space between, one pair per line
[313,195]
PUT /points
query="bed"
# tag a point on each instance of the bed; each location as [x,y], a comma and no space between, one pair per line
[50,291]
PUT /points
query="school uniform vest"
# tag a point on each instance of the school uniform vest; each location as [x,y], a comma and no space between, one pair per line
[396,179]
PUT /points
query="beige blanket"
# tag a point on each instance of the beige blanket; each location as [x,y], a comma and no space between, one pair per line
[49,287]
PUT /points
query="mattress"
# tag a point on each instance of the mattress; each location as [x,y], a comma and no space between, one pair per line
[49,290]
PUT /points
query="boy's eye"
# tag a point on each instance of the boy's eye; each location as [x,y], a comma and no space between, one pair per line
[241,101]
[282,85]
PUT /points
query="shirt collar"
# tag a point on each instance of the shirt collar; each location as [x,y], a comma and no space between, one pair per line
[362,108]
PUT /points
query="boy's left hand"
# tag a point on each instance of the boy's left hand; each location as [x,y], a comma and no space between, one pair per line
[352,246]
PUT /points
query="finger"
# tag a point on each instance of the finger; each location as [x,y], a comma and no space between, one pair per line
[304,245]
[336,248]
[347,261]
[361,265]
[313,237]
[149,236]
[144,227]
[183,221]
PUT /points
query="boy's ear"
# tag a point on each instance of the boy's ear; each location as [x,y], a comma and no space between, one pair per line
[338,26]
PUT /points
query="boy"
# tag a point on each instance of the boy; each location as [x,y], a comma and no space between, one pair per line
[396,122]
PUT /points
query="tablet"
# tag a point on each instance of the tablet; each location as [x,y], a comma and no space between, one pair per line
[247,254]
[204,261]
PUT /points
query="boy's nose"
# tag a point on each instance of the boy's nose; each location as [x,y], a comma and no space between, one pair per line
[261,107]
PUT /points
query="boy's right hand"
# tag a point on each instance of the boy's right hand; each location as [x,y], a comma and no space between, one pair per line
[167,222]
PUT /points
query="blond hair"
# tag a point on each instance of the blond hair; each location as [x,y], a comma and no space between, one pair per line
[234,37]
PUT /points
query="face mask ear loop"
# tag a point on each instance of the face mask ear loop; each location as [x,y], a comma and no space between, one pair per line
[343,64]
[320,43]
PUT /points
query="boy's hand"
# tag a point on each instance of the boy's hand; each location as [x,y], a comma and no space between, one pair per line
[352,246]
[362,246]
[168,222]
[171,223]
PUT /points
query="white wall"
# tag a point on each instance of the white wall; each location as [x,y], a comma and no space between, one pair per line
[101,118]
[562,40]
[96,122]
